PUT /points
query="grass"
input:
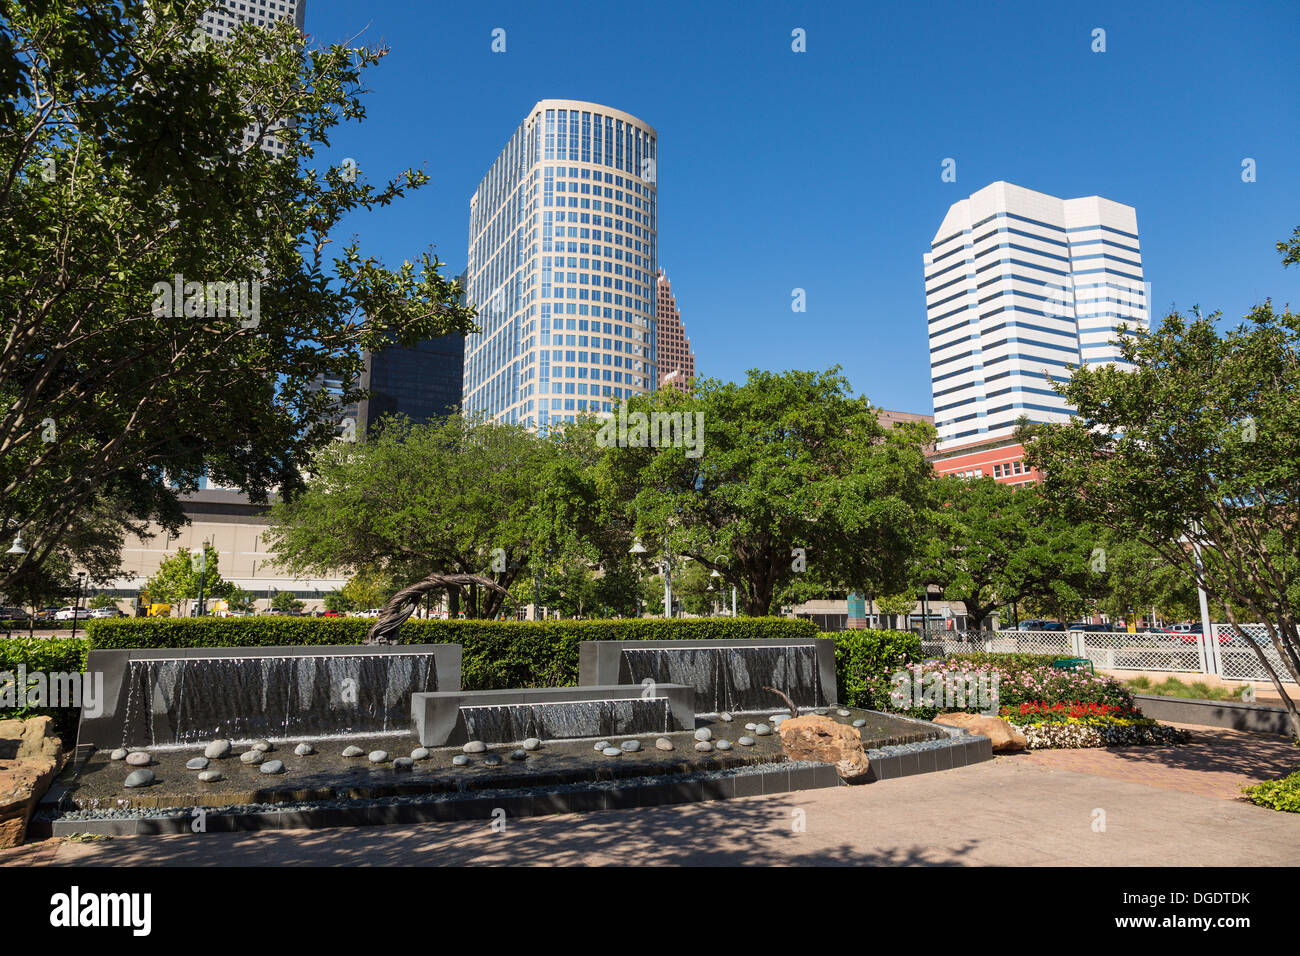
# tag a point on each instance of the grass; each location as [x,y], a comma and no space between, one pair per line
[1173,687]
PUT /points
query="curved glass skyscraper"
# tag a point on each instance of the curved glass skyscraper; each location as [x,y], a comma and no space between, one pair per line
[562,265]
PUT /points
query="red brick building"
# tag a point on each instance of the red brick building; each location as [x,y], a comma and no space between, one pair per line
[999,459]
[676,360]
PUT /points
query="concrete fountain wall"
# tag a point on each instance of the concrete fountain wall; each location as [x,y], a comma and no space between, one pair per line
[725,675]
[190,695]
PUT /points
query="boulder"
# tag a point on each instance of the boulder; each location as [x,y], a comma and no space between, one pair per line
[824,740]
[30,757]
[1005,737]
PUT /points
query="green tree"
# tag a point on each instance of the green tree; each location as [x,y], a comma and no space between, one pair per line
[338,602]
[1192,452]
[178,578]
[101,601]
[284,601]
[365,591]
[237,599]
[896,604]
[122,166]
[793,473]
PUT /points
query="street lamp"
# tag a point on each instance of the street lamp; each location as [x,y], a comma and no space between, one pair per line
[76,608]
[723,559]
[638,549]
[17,547]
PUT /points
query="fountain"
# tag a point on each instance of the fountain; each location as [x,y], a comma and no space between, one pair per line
[726,675]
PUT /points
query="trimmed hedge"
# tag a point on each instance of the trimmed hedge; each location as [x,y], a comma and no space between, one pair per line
[50,655]
[495,654]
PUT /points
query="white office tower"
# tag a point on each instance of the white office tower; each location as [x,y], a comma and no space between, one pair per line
[227,15]
[1021,286]
[562,266]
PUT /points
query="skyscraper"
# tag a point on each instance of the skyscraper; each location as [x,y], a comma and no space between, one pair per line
[227,15]
[676,360]
[1020,286]
[562,262]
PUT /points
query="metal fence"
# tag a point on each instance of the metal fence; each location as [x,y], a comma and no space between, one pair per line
[1228,654]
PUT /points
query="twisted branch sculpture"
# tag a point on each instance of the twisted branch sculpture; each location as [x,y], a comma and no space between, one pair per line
[794,711]
[403,604]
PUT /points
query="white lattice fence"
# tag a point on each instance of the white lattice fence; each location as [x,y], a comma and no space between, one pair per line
[1001,642]
[1237,658]
[1142,652]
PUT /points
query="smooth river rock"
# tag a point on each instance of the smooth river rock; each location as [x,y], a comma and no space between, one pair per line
[493,760]
[420,753]
[751,726]
[842,713]
[210,776]
[520,754]
[217,749]
[272,766]
[138,759]
[403,763]
[474,747]
[724,744]
[139,778]
[118,754]
[703,734]
[663,743]
[263,745]
[602,745]
[532,743]
[725,716]
[304,750]
[198,763]
[630,746]
[353,752]
[378,756]
[612,751]
[460,760]
[746,741]
[252,756]
[762,730]
[704,747]
[859,723]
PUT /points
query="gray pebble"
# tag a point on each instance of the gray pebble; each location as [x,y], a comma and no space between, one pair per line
[703,734]
[859,723]
[724,744]
[532,743]
[725,716]
[252,756]
[263,745]
[272,766]
[139,778]
[751,726]
[519,754]
[842,713]
[493,760]
[352,751]
[198,763]
[762,730]
[746,741]
[602,744]
[630,746]
[210,776]
[138,758]
[403,763]
[704,746]
[821,711]
[611,751]
[663,743]
[460,760]
[420,753]
[217,749]
[118,754]
[474,747]
[304,750]
[378,756]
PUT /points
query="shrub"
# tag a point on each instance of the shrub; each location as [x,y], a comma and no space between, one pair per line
[865,661]
[46,655]
[1281,794]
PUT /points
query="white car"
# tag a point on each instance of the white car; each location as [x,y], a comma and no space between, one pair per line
[101,612]
[70,613]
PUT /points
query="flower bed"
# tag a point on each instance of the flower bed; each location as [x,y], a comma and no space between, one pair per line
[1073,732]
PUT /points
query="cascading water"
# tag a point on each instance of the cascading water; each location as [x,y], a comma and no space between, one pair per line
[190,700]
[731,678]
[563,720]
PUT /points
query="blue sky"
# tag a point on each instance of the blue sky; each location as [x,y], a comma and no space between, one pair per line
[821,170]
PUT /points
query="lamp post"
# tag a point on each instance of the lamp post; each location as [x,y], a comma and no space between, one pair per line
[76,608]
[723,559]
[638,549]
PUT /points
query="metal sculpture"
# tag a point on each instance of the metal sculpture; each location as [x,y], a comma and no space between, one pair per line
[403,604]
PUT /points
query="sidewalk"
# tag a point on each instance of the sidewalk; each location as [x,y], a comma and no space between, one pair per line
[1162,806]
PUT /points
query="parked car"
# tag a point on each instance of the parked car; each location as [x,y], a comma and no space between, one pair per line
[13,614]
[1040,625]
[46,613]
[71,613]
[103,612]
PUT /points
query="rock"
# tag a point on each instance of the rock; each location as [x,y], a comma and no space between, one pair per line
[821,711]
[630,746]
[532,743]
[612,751]
[703,734]
[304,750]
[751,726]
[139,778]
[601,745]
[420,753]
[1005,737]
[210,776]
[460,760]
[726,717]
[859,723]
[704,747]
[352,751]
[762,730]
[474,747]
[778,721]
[118,754]
[746,741]
[403,763]
[198,763]
[217,749]
[842,713]
[272,766]
[824,740]
[378,756]
[493,760]
[252,756]
[777,718]
[724,744]
[263,745]
[663,743]
[138,758]
[519,754]
[30,757]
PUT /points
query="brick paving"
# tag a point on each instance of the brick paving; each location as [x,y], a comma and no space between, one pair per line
[1160,806]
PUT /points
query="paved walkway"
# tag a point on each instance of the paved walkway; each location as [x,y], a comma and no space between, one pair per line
[1121,807]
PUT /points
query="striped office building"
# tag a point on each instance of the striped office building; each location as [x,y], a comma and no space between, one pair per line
[1021,287]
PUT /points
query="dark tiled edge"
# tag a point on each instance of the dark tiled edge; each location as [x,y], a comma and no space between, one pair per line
[956,749]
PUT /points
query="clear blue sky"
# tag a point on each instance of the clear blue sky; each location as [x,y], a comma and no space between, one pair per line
[821,170]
